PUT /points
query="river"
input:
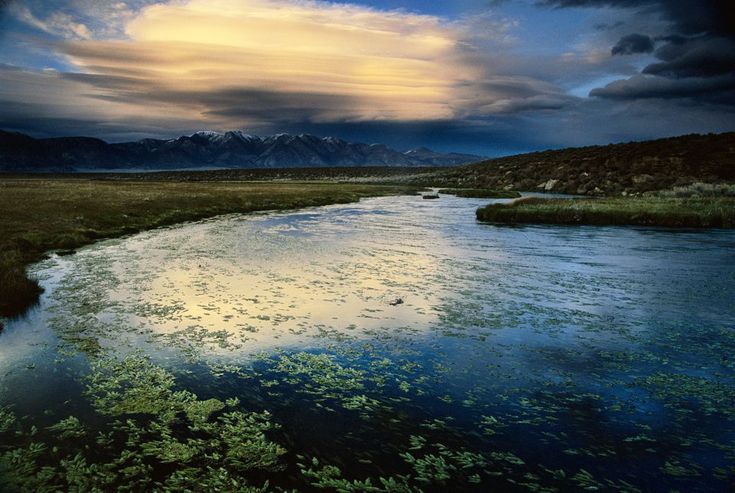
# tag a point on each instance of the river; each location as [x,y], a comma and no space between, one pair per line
[394,338]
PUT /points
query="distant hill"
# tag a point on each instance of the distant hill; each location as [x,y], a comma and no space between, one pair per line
[21,153]
[614,169]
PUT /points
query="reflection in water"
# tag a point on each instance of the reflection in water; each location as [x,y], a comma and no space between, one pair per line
[546,358]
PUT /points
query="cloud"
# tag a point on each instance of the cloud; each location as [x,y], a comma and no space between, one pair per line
[633,43]
[715,89]
[690,16]
[515,94]
[57,23]
[50,100]
[245,63]
[154,68]
[696,56]
[77,19]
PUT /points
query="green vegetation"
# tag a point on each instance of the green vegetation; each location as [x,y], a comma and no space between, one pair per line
[431,465]
[639,211]
[161,439]
[357,174]
[480,193]
[701,190]
[39,214]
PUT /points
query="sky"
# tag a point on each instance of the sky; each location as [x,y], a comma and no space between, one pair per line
[490,77]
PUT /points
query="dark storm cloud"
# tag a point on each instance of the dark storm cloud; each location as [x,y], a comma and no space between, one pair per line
[501,137]
[690,17]
[275,106]
[633,43]
[713,18]
[248,104]
[712,89]
[696,58]
[4,4]
[35,120]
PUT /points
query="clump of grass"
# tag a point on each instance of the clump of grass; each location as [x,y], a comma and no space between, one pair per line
[701,190]
[640,211]
[42,214]
[16,289]
[480,193]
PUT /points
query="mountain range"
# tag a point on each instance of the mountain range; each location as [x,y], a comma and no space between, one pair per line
[21,153]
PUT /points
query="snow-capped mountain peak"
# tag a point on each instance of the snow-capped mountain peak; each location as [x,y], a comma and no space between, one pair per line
[234,149]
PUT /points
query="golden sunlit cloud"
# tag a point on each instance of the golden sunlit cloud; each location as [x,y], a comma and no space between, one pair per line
[270,64]
[369,64]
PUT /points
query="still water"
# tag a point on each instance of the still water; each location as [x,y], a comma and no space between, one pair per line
[391,345]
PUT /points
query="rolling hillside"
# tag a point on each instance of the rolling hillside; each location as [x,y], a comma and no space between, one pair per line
[615,169]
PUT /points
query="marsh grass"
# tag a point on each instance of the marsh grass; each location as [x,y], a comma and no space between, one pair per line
[43,214]
[480,193]
[699,212]
[701,190]
[15,288]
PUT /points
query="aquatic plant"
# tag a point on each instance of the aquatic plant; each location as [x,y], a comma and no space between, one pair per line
[7,419]
[430,465]
[68,428]
[210,443]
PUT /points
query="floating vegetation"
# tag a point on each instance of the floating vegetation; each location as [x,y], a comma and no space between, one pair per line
[7,419]
[711,396]
[68,428]
[431,465]
[208,443]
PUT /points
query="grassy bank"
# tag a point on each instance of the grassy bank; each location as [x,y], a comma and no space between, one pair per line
[714,212]
[480,193]
[42,214]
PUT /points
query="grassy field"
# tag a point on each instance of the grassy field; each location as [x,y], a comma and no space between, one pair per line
[57,213]
[695,212]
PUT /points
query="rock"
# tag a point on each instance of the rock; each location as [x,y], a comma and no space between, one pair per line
[396,302]
[640,179]
[549,185]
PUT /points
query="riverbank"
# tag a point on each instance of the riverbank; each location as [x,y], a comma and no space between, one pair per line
[43,214]
[700,212]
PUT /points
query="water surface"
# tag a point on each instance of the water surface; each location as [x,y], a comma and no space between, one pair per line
[396,338]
